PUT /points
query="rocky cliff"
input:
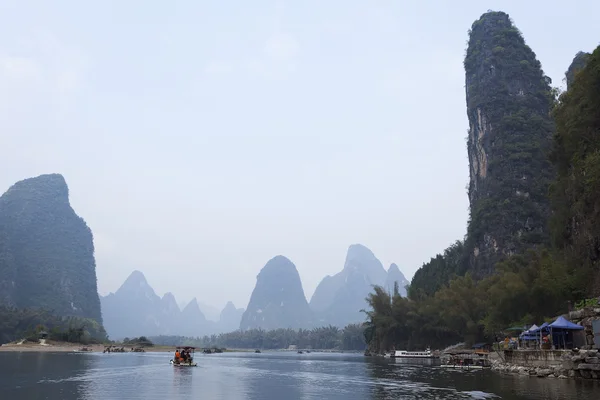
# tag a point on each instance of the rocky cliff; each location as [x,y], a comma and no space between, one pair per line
[510,132]
[277,300]
[46,250]
[578,63]
[338,299]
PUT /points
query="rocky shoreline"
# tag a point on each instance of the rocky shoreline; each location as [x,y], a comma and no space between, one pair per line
[582,364]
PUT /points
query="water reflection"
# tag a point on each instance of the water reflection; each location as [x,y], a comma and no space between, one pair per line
[434,382]
[21,373]
[265,376]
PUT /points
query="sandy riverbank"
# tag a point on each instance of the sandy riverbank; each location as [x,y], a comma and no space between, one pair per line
[49,347]
[61,347]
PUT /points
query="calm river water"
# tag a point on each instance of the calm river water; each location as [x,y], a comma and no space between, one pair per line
[266,376]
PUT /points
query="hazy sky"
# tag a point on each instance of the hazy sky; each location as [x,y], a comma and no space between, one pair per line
[201,138]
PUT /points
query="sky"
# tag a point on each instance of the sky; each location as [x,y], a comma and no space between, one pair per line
[199,139]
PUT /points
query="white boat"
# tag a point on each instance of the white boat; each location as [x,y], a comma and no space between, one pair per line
[414,354]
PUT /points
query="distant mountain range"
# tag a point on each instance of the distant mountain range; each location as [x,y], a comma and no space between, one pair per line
[338,299]
[47,261]
[277,301]
[135,310]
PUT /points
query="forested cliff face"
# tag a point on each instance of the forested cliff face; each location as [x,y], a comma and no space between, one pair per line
[576,193]
[440,270]
[46,251]
[578,63]
[536,277]
[510,138]
[510,132]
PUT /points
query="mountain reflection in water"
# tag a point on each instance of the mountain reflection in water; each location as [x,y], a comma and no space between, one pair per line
[265,376]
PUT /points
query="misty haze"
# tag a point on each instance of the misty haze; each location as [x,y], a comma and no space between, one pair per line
[314,190]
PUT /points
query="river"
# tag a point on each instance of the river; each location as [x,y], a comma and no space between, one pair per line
[266,376]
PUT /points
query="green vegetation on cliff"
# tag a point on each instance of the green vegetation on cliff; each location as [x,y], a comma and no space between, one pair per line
[510,137]
[508,104]
[523,276]
[577,65]
[527,289]
[440,270]
[576,192]
[16,324]
[46,251]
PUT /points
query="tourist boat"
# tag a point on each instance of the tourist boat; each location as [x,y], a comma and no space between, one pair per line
[190,362]
[414,354]
[467,360]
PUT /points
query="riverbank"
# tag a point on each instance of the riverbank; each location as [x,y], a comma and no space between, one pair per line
[57,347]
[65,347]
[582,364]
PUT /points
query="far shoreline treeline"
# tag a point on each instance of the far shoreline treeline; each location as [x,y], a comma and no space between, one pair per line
[350,338]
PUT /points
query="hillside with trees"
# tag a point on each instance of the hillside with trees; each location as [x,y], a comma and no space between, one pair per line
[576,192]
[47,265]
[46,250]
[533,240]
[18,324]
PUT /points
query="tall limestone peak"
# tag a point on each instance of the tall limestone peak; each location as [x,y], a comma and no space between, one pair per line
[578,63]
[510,133]
[394,275]
[46,250]
[277,300]
[338,299]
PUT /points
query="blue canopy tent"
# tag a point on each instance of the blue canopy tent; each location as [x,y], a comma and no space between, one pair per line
[562,323]
[535,333]
[529,334]
[561,331]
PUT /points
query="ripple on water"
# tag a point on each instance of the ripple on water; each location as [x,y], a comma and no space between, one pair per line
[265,377]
